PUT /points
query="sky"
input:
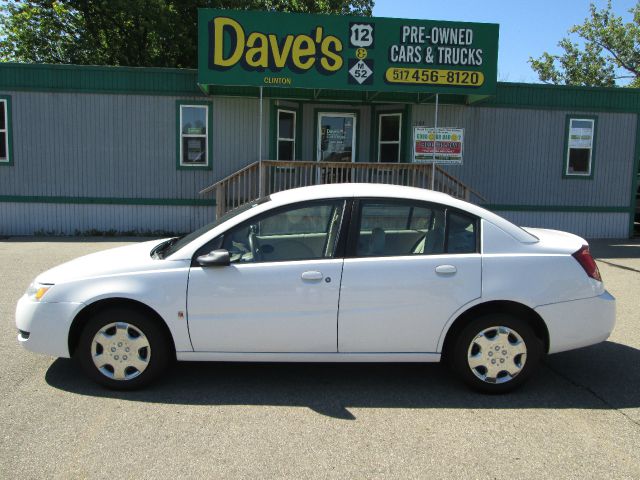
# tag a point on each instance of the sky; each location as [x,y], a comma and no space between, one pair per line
[527,29]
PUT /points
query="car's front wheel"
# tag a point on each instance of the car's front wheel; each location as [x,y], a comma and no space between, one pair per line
[123,349]
[496,353]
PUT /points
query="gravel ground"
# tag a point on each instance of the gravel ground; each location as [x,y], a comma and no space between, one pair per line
[579,417]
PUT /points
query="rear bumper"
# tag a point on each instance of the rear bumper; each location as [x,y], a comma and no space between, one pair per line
[44,327]
[579,323]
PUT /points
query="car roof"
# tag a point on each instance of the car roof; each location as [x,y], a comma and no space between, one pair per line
[359,190]
[374,190]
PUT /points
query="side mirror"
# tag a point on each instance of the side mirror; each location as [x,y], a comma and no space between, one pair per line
[217,258]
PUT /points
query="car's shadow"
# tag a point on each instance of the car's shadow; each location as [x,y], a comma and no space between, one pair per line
[605,376]
[615,248]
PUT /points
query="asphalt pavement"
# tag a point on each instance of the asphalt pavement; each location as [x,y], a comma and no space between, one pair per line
[579,417]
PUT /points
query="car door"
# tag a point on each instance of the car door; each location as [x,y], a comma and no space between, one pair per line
[280,292]
[410,266]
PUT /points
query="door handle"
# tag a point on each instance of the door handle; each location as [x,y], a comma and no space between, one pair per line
[312,275]
[446,269]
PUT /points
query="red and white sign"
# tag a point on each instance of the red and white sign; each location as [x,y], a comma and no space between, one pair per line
[449,143]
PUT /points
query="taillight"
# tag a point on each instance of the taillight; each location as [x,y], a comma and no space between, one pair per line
[584,258]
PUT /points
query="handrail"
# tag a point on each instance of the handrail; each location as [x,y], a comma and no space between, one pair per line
[228,177]
[345,165]
[475,192]
[270,176]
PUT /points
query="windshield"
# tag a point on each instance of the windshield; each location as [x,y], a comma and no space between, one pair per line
[172,246]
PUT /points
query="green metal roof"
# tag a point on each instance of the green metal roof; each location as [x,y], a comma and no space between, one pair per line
[98,79]
[183,82]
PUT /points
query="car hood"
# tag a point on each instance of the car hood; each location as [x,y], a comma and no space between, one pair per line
[130,258]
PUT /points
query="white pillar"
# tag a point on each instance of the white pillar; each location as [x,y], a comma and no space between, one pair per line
[435,138]
[260,188]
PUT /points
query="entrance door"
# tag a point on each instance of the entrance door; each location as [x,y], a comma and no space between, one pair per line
[336,144]
[336,137]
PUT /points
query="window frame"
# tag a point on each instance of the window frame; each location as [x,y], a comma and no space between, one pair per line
[356,214]
[274,105]
[380,142]
[295,132]
[5,104]
[592,156]
[180,164]
[340,242]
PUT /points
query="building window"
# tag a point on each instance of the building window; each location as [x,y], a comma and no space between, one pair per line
[5,131]
[580,147]
[194,145]
[389,137]
[286,135]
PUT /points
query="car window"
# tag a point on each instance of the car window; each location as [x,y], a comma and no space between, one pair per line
[301,232]
[177,243]
[399,228]
[461,237]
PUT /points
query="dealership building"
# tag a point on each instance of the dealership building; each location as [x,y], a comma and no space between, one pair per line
[285,100]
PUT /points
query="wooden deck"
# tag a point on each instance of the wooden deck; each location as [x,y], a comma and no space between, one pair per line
[270,176]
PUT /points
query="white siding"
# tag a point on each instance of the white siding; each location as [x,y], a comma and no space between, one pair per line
[70,219]
[584,224]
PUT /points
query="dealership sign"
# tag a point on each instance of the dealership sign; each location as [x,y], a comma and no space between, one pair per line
[448,147]
[251,48]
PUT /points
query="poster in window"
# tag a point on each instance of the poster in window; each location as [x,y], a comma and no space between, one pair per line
[336,139]
[193,150]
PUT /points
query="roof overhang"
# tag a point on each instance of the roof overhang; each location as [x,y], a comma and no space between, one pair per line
[347,96]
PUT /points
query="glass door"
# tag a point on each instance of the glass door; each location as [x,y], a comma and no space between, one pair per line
[336,137]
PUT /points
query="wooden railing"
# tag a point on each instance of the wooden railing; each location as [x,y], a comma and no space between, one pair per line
[270,176]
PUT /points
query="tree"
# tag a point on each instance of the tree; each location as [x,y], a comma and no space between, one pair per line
[143,33]
[610,52]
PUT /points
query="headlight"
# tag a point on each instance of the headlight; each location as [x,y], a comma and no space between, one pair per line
[36,291]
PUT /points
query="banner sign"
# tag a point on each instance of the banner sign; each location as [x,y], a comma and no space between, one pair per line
[449,145]
[271,49]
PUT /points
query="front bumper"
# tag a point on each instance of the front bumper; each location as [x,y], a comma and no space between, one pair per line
[44,327]
[579,323]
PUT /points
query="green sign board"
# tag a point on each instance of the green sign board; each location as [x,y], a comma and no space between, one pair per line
[252,48]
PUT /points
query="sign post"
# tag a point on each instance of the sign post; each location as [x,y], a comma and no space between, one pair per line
[260,186]
[433,162]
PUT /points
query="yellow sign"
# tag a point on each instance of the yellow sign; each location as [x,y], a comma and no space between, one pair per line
[259,50]
[427,76]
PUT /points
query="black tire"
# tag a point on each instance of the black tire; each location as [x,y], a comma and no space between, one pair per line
[466,343]
[153,360]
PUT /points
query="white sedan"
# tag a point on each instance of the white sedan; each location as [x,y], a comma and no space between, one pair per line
[333,273]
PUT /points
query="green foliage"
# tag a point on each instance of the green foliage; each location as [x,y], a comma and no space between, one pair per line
[142,33]
[40,31]
[610,52]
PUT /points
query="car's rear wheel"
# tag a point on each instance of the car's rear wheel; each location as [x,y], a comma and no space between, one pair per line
[123,349]
[496,353]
